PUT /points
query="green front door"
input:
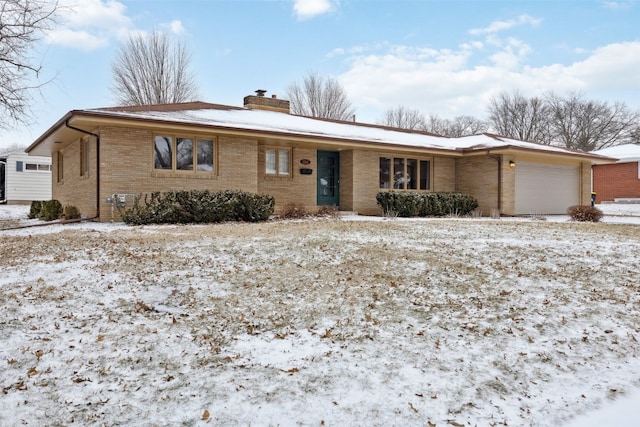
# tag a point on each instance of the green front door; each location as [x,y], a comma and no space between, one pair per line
[328,178]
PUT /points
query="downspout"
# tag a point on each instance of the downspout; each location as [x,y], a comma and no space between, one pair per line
[97,137]
[499,160]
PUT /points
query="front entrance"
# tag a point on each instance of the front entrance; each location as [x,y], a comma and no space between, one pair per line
[328,178]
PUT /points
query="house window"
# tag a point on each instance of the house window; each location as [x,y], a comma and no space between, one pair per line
[405,173]
[163,152]
[184,154]
[191,153]
[84,157]
[60,167]
[278,161]
[205,155]
[37,167]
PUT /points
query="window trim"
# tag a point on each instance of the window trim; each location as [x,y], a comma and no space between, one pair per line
[195,141]
[405,160]
[278,171]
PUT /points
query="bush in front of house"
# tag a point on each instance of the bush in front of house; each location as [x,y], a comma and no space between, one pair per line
[185,207]
[584,213]
[34,209]
[71,212]
[412,204]
[50,210]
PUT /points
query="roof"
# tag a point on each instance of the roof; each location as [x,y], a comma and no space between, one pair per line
[624,153]
[228,118]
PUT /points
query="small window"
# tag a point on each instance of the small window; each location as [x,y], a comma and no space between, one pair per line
[19,166]
[399,176]
[84,157]
[283,162]
[412,174]
[60,167]
[205,155]
[385,172]
[278,161]
[163,152]
[44,167]
[184,156]
[31,166]
[425,175]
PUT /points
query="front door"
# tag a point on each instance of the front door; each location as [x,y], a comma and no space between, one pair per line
[328,178]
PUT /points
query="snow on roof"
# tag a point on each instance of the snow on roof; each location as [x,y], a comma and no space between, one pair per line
[625,153]
[269,121]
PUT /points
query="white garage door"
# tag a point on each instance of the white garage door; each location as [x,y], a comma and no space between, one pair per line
[546,189]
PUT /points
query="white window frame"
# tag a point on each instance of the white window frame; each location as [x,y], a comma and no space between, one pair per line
[277,161]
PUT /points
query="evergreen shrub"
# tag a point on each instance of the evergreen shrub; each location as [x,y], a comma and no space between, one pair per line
[34,210]
[412,204]
[198,206]
[71,212]
[50,210]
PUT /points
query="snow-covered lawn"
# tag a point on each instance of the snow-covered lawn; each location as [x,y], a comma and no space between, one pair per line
[330,322]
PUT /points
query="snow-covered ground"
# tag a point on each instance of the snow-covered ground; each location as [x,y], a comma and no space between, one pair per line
[360,321]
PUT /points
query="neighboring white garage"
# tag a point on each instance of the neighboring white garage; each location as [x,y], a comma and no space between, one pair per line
[546,189]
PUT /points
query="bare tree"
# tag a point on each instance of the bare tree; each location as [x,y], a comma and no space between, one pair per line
[456,127]
[22,24]
[588,125]
[153,70]
[319,97]
[404,118]
[514,116]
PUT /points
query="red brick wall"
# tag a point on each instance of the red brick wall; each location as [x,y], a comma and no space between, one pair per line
[619,180]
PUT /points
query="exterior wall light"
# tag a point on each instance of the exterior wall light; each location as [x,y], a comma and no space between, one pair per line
[512,164]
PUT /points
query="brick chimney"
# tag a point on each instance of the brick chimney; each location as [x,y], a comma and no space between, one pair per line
[260,102]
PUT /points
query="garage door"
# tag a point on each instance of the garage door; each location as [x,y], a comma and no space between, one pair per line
[546,189]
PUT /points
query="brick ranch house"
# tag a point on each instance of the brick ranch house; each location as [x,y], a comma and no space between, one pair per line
[262,148]
[618,181]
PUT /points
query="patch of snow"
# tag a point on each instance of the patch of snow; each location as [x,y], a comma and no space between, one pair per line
[371,321]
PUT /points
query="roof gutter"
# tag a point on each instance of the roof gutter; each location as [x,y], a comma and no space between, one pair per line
[499,160]
[66,123]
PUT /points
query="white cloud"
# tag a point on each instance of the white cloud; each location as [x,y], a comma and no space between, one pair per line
[176,27]
[306,9]
[457,82]
[90,24]
[616,5]
[81,40]
[498,26]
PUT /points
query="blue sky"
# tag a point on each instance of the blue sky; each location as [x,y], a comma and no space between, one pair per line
[443,57]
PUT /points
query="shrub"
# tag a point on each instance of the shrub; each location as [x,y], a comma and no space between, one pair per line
[584,213]
[34,210]
[71,212]
[183,207]
[50,210]
[328,211]
[411,204]
[293,211]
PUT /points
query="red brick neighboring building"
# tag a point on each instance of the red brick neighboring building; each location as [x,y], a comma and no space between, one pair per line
[619,180]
